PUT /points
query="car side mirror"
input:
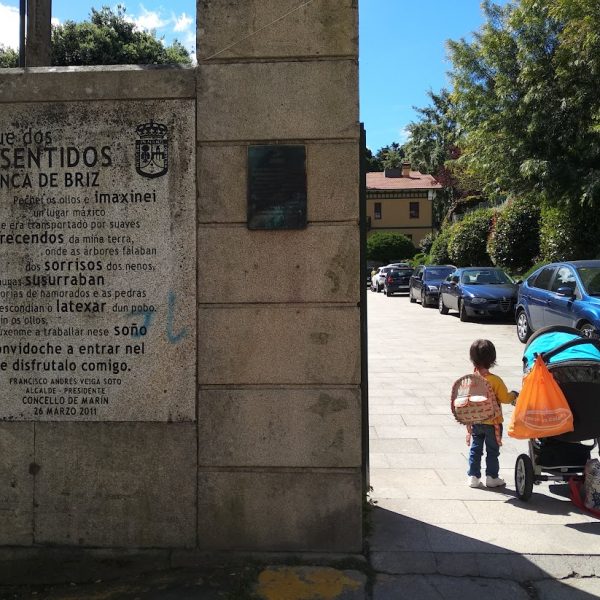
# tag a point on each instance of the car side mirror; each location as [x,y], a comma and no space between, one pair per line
[565,291]
[519,282]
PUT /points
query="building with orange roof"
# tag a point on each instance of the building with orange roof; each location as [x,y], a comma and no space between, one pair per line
[400,201]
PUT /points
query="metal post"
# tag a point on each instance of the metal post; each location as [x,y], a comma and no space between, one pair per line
[364,363]
[22,17]
[39,25]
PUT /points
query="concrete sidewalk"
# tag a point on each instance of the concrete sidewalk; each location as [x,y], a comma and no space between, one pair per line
[433,537]
[427,520]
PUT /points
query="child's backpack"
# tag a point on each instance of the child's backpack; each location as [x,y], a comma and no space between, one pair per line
[473,401]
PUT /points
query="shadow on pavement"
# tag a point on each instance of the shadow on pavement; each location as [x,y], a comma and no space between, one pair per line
[415,559]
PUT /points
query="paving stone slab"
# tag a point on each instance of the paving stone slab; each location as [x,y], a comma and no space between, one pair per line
[573,589]
[412,587]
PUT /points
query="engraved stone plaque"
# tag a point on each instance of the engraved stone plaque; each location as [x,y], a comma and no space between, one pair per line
[97,249]
[276,187]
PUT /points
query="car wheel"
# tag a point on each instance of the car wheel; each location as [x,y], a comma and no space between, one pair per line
[523,330]
[462,311]
[442,307]
[388,293]
[587,329]
[524,477]
[410,295]
[423,299]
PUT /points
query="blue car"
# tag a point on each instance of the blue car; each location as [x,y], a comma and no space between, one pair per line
[478,292]
[425,283]
[566,293]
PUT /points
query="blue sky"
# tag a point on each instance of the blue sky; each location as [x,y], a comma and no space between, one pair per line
[402,48]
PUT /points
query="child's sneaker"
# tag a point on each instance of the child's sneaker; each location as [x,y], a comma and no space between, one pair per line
[494,481]
[474,481]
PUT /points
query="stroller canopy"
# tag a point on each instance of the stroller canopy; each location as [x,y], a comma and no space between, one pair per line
[549,338]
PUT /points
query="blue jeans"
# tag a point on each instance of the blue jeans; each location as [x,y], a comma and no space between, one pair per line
[484,434]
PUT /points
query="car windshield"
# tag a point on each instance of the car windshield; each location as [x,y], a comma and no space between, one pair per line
[590,277]
[441,273]
[485,277]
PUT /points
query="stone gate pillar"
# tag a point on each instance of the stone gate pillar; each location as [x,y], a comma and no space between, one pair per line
[279,427]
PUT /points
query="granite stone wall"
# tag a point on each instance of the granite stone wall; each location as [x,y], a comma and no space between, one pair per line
[258,448]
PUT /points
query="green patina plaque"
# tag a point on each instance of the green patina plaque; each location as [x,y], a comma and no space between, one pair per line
[277,187]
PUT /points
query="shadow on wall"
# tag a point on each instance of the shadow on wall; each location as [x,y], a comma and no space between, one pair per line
[457,566]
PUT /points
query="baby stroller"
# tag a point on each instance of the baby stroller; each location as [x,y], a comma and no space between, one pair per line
[574,361]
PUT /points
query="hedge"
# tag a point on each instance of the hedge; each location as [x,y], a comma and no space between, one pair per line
[386,247]
[569,232]
[439,249]
[514,241]
[468,240]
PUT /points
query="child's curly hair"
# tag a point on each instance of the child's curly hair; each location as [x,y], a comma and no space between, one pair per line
[483,354]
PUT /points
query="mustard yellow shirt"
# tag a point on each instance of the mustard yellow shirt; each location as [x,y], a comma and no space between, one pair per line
[502,395]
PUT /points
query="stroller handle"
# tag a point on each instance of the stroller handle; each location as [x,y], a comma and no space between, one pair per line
[546,356]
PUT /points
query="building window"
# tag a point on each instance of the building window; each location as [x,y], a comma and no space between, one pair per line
[378,210]
[413,210]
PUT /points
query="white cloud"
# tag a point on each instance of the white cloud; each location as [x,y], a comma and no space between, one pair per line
[404,135]
[55,21]
[149,19]
[182,22]
[9,26]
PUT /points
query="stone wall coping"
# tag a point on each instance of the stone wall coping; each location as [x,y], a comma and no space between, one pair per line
[112,82]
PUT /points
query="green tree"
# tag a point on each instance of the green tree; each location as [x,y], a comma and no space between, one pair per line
[108,38]
[468,240]
[388,156]
[9,58]
[432,138]
[433,148]
[526,101]
[385,247]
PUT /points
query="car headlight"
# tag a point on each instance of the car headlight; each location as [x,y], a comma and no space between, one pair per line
[432,288]
[478,300]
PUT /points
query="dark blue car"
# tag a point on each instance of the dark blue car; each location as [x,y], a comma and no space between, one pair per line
[425,283]
[566,293]
[478,292]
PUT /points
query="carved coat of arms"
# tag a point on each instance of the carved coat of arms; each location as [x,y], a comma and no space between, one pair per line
[152,149]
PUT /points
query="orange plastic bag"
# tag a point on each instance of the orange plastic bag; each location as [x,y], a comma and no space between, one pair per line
[542,409]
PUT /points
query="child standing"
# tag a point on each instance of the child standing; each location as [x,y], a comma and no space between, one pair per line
[483,357]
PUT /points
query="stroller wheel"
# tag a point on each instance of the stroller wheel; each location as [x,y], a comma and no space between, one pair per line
[524,477]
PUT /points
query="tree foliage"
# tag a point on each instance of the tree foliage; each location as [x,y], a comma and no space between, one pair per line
[433,148]
[388,156]
[108,38]
[569,232]
[9,58]
[385,247]
[524,91]
[468,239]
[514,241]
[432,138]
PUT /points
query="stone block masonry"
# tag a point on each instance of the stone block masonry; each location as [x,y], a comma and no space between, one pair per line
[170,378]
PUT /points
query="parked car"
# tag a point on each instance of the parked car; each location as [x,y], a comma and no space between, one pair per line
[378,281]
[374,274]
[368,277]
[478,292]
[425,283]
[566,293]
[397,280]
